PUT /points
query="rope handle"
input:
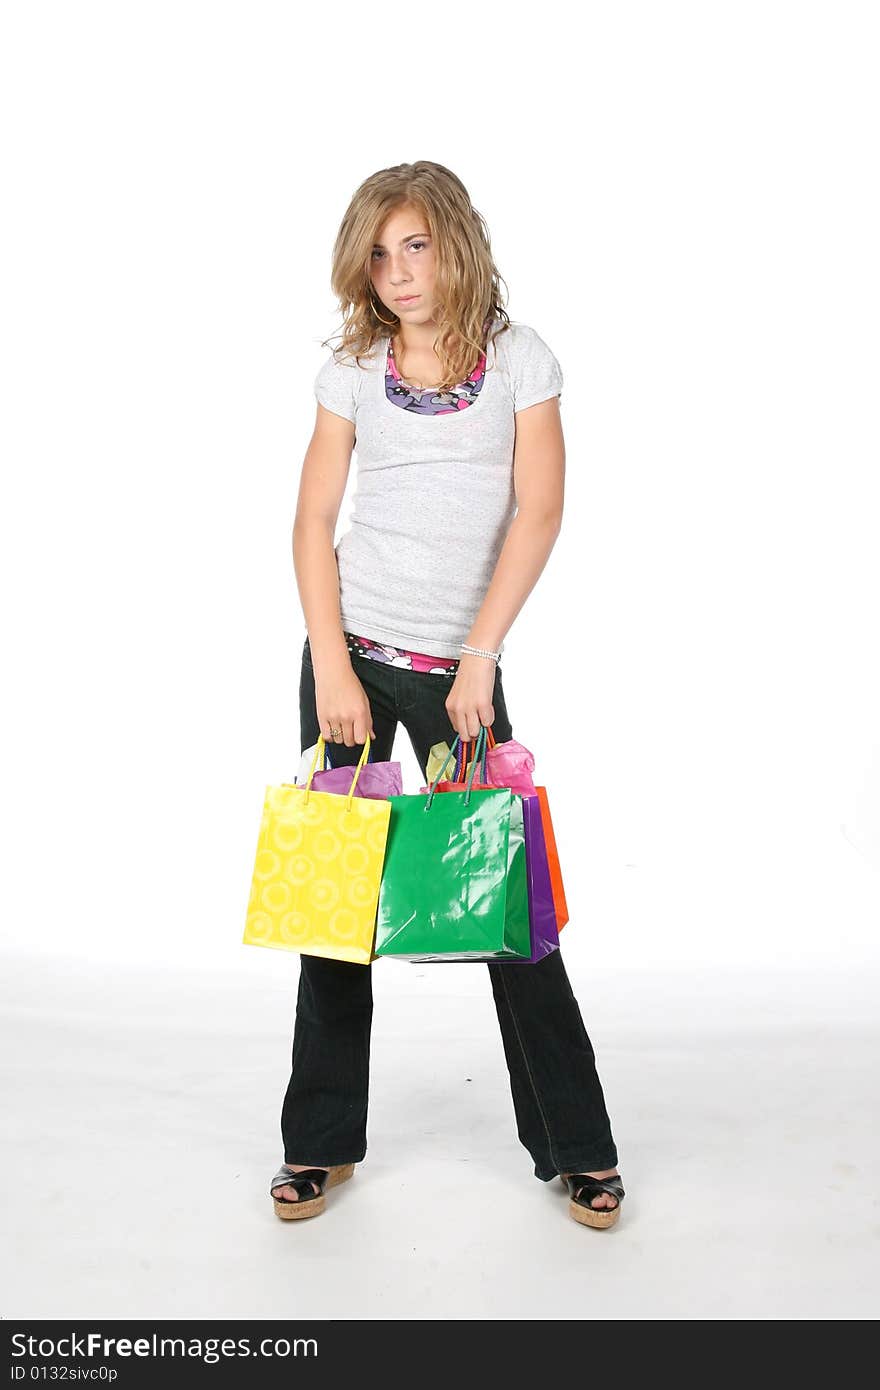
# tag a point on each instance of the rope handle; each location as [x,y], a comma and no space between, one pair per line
[326,765]
[320,752]
[462,759]
[481,742]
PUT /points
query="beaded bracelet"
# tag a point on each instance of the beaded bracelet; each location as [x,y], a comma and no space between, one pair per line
[480,651]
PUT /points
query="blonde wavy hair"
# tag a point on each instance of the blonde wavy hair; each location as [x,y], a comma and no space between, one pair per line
[467,282]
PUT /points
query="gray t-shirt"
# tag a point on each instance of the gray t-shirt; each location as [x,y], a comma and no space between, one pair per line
[434,496]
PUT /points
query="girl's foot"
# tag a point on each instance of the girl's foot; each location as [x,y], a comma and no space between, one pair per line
[601,1199]
[306,1186]
[290,1194]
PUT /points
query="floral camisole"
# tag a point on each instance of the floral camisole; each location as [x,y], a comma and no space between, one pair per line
[429,400]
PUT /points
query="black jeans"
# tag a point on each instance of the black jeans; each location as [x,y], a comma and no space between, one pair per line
[557,1097]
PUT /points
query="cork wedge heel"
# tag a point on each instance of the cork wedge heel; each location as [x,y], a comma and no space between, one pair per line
[311,1203]
[583,1189]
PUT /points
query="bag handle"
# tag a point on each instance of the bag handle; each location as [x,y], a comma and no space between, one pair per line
[326,765]
[481,740]
[320,749]
[480,747]
[461,761]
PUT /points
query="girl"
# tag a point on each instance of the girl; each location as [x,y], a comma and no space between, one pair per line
[454,411]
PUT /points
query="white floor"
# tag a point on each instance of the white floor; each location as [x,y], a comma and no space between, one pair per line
[142,1131]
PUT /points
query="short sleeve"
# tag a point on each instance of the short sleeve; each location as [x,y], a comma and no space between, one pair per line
[535,373]
[336,387]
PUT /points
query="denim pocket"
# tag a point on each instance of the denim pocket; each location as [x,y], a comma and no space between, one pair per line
[421,689]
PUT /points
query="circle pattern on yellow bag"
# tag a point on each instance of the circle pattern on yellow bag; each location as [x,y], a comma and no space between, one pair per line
[286,835]
[324,894]
[355,858]
[267,865]
[326,844]
[260,927]
[299,869]
[276,896]
[344,923]
[376,836]
[357,892]
[294,927]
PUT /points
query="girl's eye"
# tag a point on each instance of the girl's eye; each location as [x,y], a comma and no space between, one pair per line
[411,247]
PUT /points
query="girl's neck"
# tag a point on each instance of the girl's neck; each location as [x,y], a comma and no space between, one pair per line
[417,340]
[414,355]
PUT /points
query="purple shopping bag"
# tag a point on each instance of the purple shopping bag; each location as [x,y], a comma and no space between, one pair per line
[542,911]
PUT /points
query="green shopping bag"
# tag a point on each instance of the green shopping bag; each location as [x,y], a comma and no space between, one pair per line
[454,883]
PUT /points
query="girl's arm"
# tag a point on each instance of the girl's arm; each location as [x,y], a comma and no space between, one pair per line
[539,481]
[340,698]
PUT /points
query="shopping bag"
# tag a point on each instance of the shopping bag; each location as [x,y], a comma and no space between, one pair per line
[454,884]
[553,860]
[317,870]
[542,908]
[511,760]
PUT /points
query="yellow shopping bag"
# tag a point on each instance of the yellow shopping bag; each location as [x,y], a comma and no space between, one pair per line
[318,867]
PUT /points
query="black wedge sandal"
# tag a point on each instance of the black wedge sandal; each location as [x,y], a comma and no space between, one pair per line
[310,1203]
[583,1189]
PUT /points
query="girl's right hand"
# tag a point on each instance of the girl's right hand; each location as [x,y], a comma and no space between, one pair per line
[342,703]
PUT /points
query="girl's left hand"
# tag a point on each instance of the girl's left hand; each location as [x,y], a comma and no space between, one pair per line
[469,702]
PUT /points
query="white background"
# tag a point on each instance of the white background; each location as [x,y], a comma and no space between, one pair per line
[683,202]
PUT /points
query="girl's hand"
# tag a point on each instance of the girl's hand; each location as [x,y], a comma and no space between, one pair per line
[469,702]
[342,703]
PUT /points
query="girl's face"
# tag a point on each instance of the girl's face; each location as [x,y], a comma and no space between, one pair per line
[402,264]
